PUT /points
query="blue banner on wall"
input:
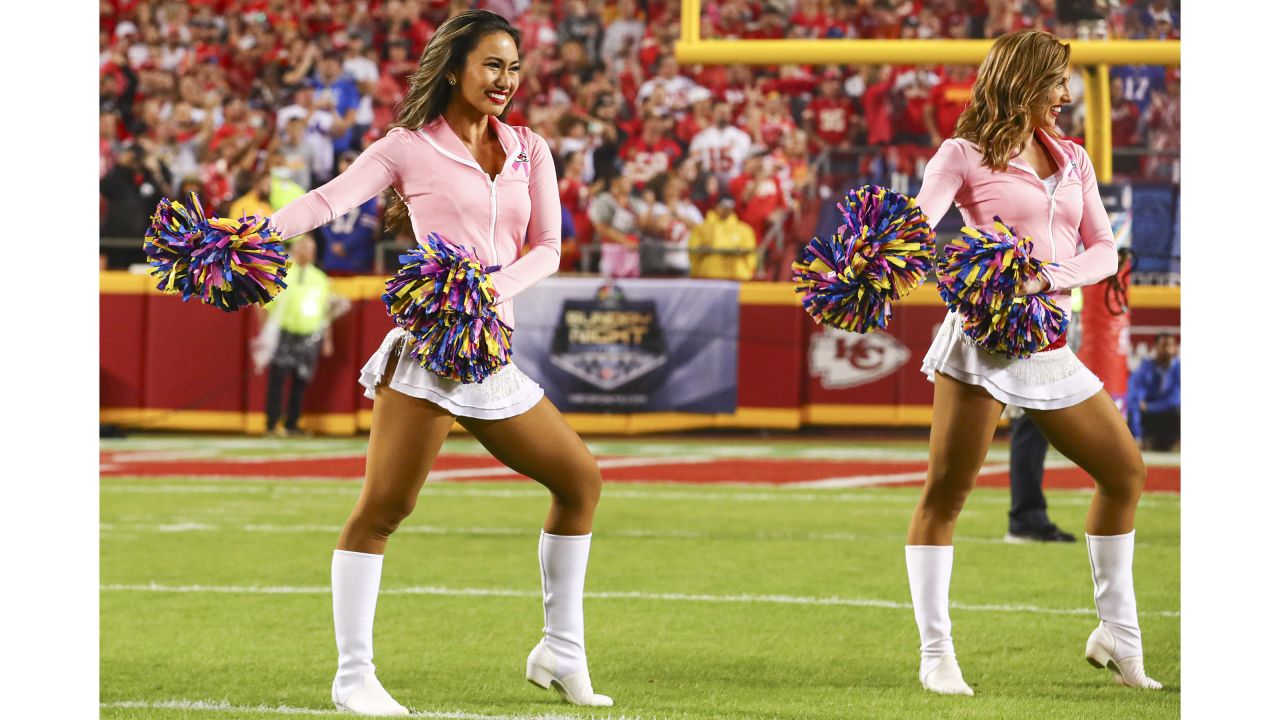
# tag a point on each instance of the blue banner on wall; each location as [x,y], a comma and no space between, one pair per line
[631,345]
[1156,243]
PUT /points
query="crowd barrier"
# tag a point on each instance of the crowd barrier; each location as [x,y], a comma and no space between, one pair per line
[638,356]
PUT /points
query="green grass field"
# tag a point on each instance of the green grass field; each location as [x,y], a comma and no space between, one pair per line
[703,601]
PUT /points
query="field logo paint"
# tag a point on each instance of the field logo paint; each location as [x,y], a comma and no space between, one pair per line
[843,359]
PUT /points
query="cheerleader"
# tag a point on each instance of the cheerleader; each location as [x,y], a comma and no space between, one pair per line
[1007,159]
[492,188]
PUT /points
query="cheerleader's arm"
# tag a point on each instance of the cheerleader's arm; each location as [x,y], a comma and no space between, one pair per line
[943,177]
[371,173]
[1099,259]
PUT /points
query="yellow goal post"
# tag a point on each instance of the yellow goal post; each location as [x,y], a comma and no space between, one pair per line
[1093,55]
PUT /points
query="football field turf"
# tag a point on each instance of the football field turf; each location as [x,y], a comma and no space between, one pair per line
[703,600]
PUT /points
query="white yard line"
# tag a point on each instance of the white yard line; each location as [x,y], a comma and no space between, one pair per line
[226,707]
[664,597]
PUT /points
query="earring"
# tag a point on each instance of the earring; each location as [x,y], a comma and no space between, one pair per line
[452,81]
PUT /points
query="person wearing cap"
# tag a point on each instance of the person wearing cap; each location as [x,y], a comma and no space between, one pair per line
[130,189]
[723,247]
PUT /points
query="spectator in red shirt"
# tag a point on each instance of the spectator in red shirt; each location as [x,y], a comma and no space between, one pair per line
[1125,116]
[575,197]
[831,118]
[651,153]
[946,101]
[697,119]
[235,124]
[775,121]
[759,192]
[877,104]
[810,16]
[914,87]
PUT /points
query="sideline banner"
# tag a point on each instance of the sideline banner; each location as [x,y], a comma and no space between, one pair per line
[631,345]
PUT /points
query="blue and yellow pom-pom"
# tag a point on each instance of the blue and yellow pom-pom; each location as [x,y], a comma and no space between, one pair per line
[979,275]
[444,298]
[224,262]
[883,251]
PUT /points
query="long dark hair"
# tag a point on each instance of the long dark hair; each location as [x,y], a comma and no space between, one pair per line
[429,89]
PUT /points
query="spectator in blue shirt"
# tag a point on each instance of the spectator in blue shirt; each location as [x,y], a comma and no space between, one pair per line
[1154,401]
[339,93]
[349,243]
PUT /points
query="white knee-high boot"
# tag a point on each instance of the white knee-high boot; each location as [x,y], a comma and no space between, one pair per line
[560,659]
[929,573]
[1117,641]
[355,578]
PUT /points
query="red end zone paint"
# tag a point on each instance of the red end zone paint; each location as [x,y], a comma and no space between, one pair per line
[721,471]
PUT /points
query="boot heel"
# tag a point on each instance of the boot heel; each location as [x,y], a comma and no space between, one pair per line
[538,675]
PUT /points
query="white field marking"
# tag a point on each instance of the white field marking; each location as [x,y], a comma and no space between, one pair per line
[619,595]
[863,453]
[223,706]
[242,443]
[676,450]
[169,456]
[491,471]
[184,527]
[853,481]
[238,485]
[532,532]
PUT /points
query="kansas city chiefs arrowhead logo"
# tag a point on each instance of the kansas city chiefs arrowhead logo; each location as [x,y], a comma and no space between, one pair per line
[843,360]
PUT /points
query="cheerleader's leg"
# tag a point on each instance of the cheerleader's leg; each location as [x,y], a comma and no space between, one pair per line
[1094,436]
[540,444]
[404,439]
[964,420]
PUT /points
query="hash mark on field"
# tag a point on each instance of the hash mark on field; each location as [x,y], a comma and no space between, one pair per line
[619,595]
[226,707]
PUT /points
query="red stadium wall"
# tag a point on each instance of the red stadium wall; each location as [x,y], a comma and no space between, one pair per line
[166,364]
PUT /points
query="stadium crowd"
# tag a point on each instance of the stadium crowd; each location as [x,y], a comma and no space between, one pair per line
[714,171]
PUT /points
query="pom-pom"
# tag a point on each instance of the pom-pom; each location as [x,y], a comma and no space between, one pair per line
[979,275]
[226,263]
[443,296]
[882,252]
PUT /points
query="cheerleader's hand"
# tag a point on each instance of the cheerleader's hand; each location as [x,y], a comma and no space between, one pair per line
[1033,286]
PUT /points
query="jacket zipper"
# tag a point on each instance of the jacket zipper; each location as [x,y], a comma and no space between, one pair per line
[493,191]
[493,215]
[1053,204]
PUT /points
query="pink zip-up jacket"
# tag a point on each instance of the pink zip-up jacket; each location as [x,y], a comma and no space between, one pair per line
[1057,223]
[512,221]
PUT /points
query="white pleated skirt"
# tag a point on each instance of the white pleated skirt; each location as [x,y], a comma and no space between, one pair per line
[506,393]
[1049,380]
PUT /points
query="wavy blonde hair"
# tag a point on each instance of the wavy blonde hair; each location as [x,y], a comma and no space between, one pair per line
[1018,73]
[429,90]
